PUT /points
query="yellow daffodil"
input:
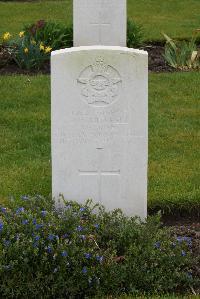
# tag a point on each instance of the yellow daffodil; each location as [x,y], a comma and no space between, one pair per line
[48,49]
[6,36]
[21,34]
[25,50]
[42,47]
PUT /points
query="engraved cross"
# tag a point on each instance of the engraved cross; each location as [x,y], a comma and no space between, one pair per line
[99,173]
[101,25]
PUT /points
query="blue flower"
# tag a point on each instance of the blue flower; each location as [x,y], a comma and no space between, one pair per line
[34,221]
[25,221]
[68,207]
[44,213]
[49,249]
[84,270]
[79,228]
[96,226]
[189,275]
[65,236]
[24,197]
[157,244]
[173,244]
[99,258]
[37,238]
[181,239]
[35,245]
[183,253]
[64,253]
[17,237]
[188,240]
[19,210]
[1,226]
[3,210]
[51,237]
[82,209]
[7,267]
[38,226]
[87,255]
[6,243]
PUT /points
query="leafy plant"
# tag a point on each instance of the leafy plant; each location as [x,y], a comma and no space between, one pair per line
[28,54]
[55,35]
[82,250]
[135,34]
[182,55]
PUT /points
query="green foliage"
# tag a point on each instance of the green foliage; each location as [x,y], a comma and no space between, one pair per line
[28,54]
[31,49]
[51,34]
[182,55]
[135,34]
[58,36]
[82,250]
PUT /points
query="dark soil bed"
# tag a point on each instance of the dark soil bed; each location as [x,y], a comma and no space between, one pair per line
[156,63]
[156,60]
[12,69]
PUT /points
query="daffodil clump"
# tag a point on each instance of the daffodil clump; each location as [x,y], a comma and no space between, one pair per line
[27,52]
[32,46]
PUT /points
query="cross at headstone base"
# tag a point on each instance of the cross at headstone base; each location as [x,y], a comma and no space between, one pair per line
[99,173]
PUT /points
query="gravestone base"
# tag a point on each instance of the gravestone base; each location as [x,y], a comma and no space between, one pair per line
[100,126]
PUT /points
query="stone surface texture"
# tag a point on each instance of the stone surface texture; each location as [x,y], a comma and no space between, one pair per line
[99,22]
[100,126]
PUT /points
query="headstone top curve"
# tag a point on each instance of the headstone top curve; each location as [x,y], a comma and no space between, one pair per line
[98,47]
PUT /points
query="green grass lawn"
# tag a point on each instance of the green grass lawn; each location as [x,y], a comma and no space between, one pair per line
[178,18]
[173,142]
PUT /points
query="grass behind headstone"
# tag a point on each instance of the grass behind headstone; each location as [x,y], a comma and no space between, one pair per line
[173,143]
[176,18]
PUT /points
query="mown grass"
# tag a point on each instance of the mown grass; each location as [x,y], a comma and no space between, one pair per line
[24,135]
[173,138]
[174,17]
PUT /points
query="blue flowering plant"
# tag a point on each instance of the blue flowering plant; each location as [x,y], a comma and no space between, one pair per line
[82,250]
[43,248]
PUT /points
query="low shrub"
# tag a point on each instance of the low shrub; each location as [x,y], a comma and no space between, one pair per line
[135,34]
[31,48]
[183,55]
[82,250]
[55,35]
[28,54]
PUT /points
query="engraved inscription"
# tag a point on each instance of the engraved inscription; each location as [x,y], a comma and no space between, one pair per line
[100,83]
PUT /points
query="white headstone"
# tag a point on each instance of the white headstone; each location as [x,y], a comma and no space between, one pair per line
[100,126]
[99,22]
